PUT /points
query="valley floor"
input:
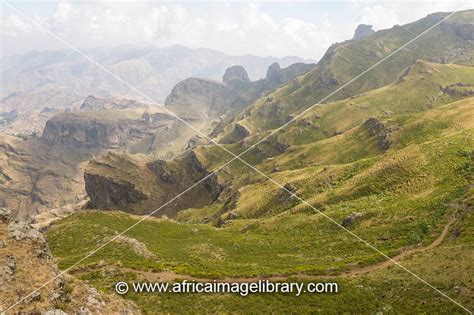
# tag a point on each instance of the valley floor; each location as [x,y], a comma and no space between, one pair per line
[376,287]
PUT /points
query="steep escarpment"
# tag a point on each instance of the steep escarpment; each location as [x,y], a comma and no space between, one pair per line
[139,185]
[73,130]
[109,193]
[122,124]
[35,177]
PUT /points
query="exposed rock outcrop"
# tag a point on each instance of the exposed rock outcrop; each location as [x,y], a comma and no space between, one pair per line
[196,98]
[459,89]
[137,246]
[26,249]
[26,263]
[274,74]
[140,186]
[36,178]
[93,103]
[381,130]
[238,133]
[135,127]
[351,219]
[363,30]
[109,193]
[73,130]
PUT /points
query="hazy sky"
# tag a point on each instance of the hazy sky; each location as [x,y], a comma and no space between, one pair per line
[304,29]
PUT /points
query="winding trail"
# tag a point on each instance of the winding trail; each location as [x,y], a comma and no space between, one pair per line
[169,276]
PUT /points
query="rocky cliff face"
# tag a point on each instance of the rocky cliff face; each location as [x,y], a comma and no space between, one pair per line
[72,130]
[274,74]
[277,76]
[108,193]
[117,124]
[36,177]
[120,181]
[140,185]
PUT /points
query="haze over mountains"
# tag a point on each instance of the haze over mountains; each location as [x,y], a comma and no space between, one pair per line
[390,158]
[75,134]
[61,78]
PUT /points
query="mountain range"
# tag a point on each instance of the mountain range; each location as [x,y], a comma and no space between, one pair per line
[60,78]
[343,188]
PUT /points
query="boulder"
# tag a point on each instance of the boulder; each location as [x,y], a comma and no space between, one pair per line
[351,219]
[5,215]
[8,268]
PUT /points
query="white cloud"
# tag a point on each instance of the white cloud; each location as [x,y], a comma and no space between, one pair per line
[386,14]
[233,28]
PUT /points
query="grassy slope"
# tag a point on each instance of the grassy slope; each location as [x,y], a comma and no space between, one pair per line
[405,195]
[311,138]
[389,291]
[346,60]
[445,267]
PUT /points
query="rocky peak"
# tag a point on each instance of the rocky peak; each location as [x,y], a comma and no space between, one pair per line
[195,98]
[274,73]
[235,73]
[363,30]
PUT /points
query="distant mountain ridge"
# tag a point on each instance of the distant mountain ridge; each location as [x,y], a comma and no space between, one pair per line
[60,78]
[203,98]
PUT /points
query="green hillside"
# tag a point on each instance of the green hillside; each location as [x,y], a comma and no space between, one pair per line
[390,159]
[450,42]
[402,193]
